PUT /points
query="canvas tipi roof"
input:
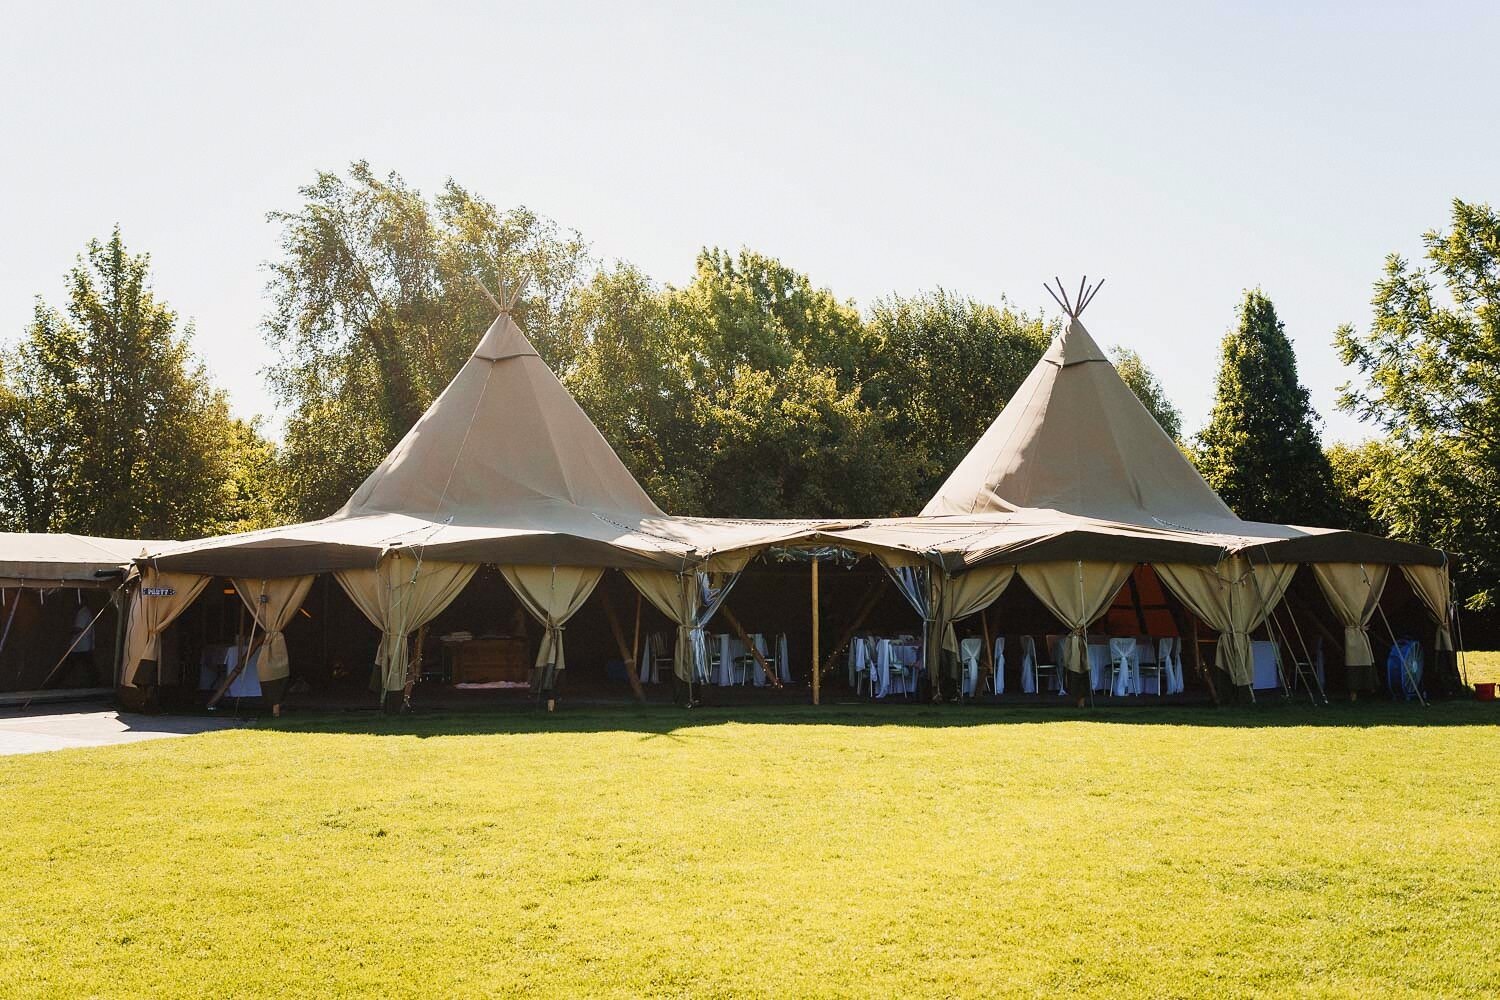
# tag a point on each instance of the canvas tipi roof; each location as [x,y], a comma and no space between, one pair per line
[1075,439]
[504,436]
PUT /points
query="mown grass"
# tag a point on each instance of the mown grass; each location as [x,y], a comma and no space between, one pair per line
[888,851]
[1482,667]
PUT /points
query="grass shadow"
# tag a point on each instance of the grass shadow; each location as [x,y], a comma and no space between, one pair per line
[683,725]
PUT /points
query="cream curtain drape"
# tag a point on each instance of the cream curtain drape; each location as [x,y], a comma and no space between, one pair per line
[1353,591]
[158,599]
[1078,593]
[1234,598]
[552,594]
[1432,585]
[400,595]
[689,599]
[968,594]
[273,603]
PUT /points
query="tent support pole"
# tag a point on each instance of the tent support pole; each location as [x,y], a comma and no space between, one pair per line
[989,649]
[414,669]
[625,652]
[871,598]
[635,647]
[815,638]
[1204,672]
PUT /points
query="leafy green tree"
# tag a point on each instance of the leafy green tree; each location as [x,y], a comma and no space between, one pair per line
[945,366]
[112,426]
[1431,367]
[1148,389]
[377,301]
[1260,449]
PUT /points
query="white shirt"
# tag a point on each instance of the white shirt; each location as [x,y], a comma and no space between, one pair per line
[83,626]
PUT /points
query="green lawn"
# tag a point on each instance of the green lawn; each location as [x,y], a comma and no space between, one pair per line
[1483,667]
[890,851]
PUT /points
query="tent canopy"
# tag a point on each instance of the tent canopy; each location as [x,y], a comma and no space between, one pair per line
[34,559]
[505,467]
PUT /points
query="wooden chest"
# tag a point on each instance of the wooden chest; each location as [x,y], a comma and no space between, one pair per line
[480,661]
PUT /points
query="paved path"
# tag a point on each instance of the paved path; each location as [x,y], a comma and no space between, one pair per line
[49,727]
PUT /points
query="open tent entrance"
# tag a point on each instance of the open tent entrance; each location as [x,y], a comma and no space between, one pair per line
[57,640]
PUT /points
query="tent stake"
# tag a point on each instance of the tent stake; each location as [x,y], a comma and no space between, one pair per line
[815,638]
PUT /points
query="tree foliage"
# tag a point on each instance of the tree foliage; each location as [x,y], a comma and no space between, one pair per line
[111,425]
[377,297]
[1148,389]
[945,366]
[1431,363]
[1260,449]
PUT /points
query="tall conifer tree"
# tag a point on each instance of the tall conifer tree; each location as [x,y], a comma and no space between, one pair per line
[1260,449]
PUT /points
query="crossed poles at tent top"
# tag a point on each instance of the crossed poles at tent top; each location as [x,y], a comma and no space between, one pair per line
[1074,307]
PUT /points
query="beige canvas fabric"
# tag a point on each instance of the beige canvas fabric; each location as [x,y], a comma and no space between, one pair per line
[36,559]
[1353,591]
[453,463]
[273,603]
[552,594]
[1433,586]
[158,599]
[676,596]
[400,596]
[1074,438]
[1234,598]
[968,594]
[1078,593]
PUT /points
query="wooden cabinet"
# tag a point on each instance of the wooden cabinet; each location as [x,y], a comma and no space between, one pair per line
[481,661]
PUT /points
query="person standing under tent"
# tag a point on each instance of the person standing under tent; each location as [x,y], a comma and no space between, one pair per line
[82,666]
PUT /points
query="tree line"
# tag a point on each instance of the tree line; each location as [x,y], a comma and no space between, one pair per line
[749,390]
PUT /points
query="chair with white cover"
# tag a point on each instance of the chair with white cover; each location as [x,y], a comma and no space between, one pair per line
[900,676]
[1150,663]
[1034,671]
[968,663]
[1169,659]
[1122,663]
[861,664]
[998,684]
[783,661]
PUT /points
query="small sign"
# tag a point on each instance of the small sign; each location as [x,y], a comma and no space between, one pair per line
[158,591]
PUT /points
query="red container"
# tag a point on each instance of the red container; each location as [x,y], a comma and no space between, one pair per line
[1484,692]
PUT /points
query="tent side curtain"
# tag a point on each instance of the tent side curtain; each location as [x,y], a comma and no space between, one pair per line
[1353,591]
[158,599]
[1432,585]
[1078,593]
[968,594]
[1234,598]
[273,603]
[552,594]
[690,600]
[399,596]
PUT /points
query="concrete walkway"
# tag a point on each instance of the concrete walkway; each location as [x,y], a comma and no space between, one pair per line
[52,728]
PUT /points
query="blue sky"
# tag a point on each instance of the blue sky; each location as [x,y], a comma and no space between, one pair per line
[1184,152]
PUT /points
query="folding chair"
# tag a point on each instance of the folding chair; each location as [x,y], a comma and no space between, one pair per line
[968,661]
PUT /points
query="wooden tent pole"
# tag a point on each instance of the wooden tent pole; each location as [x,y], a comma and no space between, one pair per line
[625,653]
[816,672]
[414,669]
[1205,672]
[871,599]
[739,630]
[989,648]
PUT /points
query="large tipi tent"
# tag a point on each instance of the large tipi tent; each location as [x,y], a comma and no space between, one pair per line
[1072,486]
[504,468]
[1075,482]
